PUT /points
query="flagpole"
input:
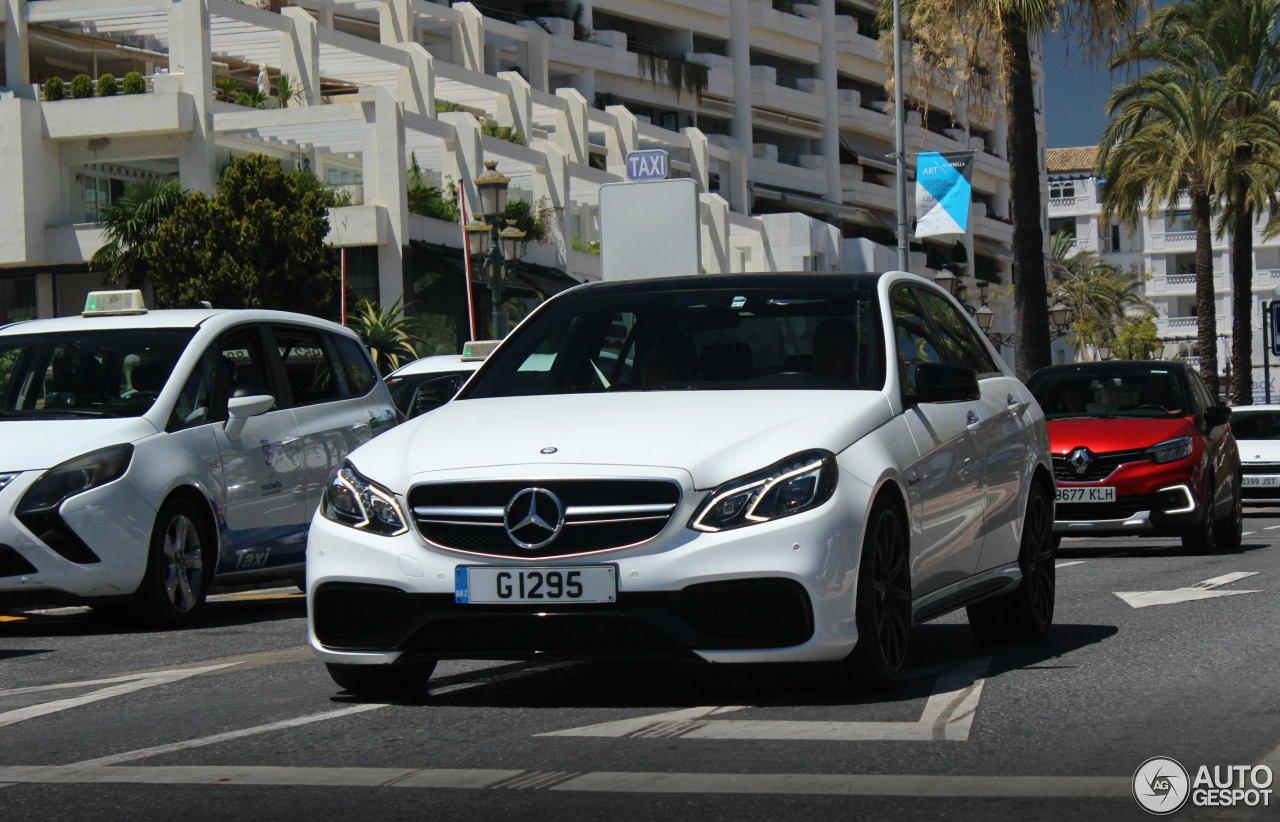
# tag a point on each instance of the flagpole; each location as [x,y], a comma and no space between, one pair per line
[900,137]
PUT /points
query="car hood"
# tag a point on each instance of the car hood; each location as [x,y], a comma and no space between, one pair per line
[713,435]
[1259,450]
[33,445]
[1113,433]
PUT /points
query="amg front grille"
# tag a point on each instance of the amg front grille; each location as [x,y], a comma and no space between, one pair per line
[597,515]
[1124,507]
[1100,467]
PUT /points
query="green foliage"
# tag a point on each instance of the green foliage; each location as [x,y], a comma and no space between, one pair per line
[391,336]
[134,83]
[54,89]
[252,99]
[445,105]
[107,86]
[1106,301]
[308,182]
[597,161]
[529,219]
[680,74]
[579,245]
[508,133]
[81,86]
[130,224]
[258,243]
[428,200]
[226,88]
[581,31]
[1136,340]
[289,91]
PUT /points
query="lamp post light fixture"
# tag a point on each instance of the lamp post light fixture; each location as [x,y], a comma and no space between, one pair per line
[495,247]
[1060,315]
[1104,352]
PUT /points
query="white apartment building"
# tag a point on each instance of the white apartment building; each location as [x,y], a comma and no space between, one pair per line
[776,108]
[1163,248]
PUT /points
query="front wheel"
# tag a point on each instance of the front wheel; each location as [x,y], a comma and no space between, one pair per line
[1200,539]
[179,562]
[1229,531]
[883,607]
[1026,613]
[381,680]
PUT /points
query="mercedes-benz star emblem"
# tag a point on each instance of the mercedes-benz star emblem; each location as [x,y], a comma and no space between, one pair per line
[533,518]
[550,449]
[1080,460]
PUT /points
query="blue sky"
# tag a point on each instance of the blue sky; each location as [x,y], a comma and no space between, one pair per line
[1074,96]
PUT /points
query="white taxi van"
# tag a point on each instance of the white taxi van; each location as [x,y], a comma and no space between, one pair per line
[146,454]
[728,468]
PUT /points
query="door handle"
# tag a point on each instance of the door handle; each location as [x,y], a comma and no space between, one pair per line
[972,419]
[1012,401]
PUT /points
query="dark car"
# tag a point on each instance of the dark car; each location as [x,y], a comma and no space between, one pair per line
[1141,449]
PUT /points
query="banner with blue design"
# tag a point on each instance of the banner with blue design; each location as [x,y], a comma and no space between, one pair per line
[943,192]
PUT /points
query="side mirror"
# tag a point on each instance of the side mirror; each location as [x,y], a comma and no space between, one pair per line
[1216,415]
[936,382]
[240,409]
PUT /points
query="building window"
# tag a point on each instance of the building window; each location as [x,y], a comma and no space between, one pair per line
[362,272]
[17,299]
[1115,236]
[1178,221]
[1062,191]
[99,192]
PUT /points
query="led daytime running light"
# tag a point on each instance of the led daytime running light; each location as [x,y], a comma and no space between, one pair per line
[367,496]
[769,484]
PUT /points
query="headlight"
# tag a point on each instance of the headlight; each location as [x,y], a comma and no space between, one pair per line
[1170,450]
[76,476]
[798,483]
[352,499]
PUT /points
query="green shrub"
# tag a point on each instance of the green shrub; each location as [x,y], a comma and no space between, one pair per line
[252,99]
[54,89]
[134,83]
[106,86]
[508,133]
[81,86]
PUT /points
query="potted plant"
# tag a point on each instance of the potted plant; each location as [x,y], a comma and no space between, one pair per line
[107,86]
[81,86]
[54,89]
[134,83]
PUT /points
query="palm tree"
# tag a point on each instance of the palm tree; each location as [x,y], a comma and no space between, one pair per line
[1104,299]
[970,40]
[1238,41]
[388,334]
[288,90]
[130,224]
[1167,139]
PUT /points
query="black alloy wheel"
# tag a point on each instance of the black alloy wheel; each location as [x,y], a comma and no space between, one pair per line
[883,607]
[1200,539]
[1026,613]
[179,563]
[1229,531]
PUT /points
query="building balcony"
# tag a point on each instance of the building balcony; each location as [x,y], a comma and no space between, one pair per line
[1185,283]
[858,190]
[74,243]
[1182,326]
[125,115]
[774,169]
[774,24]
[1173,240]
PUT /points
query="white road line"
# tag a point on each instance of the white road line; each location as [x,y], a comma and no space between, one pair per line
[1069,564]
[907,785]
[200,742]
[1225,579]
[948,715]
[143,753]
[132,684]
[1270,527]
[1247,533]
[1201,590]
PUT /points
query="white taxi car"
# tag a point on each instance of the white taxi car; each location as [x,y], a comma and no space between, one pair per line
[1257,432]
[145,454]
[429,382]
[785,467]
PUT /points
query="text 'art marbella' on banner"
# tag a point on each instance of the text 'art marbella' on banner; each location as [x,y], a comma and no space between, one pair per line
[943,192]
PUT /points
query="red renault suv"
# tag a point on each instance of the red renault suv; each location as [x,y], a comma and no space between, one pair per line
[1141,449]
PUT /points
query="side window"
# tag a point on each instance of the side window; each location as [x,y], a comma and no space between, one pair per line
[960,343]
[355,366]
[914,340]
[195,405]
[240,364]
[1200,395]
[307,367]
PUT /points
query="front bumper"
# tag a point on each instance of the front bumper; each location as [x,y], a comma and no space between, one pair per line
[1170,511]
[113,522]
[777,591]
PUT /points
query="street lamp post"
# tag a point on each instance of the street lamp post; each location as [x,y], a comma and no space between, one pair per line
[495,246]
[1059,314]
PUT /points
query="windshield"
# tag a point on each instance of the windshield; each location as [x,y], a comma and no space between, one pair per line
[1101,392]
[692,339]
[1255,425]
[113,373]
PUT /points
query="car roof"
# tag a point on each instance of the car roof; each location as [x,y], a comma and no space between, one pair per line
[1120,366]
[1259,406]
[435,364]
[795,279]
[214,318]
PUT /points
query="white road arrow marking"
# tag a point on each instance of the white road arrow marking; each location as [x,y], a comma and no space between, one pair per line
[1201,590]
[947,716]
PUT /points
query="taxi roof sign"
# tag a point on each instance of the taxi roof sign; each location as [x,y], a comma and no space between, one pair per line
[474,350]
[105,303]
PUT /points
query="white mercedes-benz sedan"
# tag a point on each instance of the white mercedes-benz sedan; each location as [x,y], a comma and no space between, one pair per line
[737,468]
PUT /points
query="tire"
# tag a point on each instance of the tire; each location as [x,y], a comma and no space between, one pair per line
[381,680]
[179,566]
[883,606]
[1200,539]
[1025,613]
[1229,531]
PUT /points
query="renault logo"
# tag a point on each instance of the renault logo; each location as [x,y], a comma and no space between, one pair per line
[533,518]
[1080,460]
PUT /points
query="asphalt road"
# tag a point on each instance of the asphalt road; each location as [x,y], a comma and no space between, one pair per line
[236,719]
